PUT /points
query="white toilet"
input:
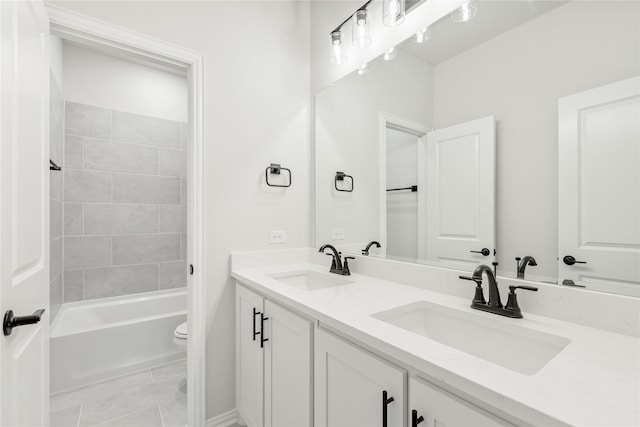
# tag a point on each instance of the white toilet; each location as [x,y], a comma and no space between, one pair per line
[180,336]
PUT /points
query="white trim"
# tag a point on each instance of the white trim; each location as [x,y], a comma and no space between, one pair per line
[89,31]
[223,420]
[400,123]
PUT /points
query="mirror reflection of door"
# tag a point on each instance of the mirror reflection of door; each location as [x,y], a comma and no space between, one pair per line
[599,188]
[460,195]
[449,220]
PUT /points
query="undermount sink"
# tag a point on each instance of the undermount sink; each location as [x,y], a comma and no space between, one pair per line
[509,345]
[310,280]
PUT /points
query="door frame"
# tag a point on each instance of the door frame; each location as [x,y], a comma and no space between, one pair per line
[404,125]
[108,37]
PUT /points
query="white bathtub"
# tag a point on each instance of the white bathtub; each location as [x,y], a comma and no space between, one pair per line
[99,339]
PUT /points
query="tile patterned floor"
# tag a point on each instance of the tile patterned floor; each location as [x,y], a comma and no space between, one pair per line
[156,397]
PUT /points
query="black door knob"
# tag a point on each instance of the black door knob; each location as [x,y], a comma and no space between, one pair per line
[484,251]
[11,321]
[569,260]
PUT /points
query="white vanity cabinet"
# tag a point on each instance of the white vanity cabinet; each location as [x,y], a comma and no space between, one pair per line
[273,363]
[350,384]
[438,407]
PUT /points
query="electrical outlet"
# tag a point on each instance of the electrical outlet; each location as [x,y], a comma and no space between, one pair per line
[277,236]
[337,234]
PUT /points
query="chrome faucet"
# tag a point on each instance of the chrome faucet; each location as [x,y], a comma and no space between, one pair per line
[337,266]
[365,251]
[522,264]
[494,305]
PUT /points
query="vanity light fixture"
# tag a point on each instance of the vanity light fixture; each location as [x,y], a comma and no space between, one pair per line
[360,29]
[390,54]
[363,69]
[337,55]
[422,35]
[393,12]
[464,12]
[360,37]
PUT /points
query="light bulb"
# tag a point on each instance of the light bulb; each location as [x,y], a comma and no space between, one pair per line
[390,54]
[464,12]
[422,35]
[393,12]
[363,69]
[360,29]
[337,55]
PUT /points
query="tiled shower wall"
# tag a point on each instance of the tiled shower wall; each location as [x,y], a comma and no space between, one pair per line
[56,134]
[124,203]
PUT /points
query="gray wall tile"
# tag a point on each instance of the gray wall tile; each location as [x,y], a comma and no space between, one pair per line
[86,186]
[172,274]
[73,284]
[73,219]
[55,218]
[145,130]
[87,120]
[55,185]
[172,162]
[146,248]
[87,252]
[55,296]
[120,219]
[145,189]
[55,258]
[124,197]
[172,219]
[73,151]
[114,281]
[101,154]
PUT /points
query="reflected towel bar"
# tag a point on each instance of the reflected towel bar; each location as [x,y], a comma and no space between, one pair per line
[413,188]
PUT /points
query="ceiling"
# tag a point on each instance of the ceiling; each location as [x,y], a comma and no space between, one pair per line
[449,38]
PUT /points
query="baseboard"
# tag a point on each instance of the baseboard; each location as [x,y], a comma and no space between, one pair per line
[223,420]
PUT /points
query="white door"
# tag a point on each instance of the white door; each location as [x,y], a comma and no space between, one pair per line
[350,384]
[459,196]
[24,212]
[249,357]
[599,187]
[288,369]
[438,407]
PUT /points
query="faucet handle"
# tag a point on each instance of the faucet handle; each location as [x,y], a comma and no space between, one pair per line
[526,288]
[345,266]
[512,301]
[478,298]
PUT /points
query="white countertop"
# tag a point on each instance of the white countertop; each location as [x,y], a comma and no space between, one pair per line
[595,380]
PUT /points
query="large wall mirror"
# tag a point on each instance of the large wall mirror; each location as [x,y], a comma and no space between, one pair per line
[514,134]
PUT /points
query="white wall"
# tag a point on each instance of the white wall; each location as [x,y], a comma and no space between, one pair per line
[518,77]
[117,84]
[256,104]
[347,140]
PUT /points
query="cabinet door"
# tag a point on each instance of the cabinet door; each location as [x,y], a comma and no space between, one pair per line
[249,357]
[441,408]
[288,368]
[349,386]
